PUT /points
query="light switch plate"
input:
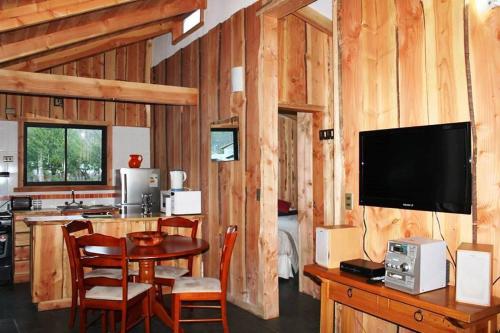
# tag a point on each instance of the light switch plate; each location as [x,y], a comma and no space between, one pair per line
[348,201]
[8,158]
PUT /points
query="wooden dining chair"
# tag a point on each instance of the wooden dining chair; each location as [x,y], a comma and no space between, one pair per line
[68,230]
[205,289]
[105,293]
[165,275]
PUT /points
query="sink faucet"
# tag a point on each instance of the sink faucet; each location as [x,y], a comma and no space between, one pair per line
[73,202]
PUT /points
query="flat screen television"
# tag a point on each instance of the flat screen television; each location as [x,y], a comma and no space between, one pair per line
[224,144]
[421,168]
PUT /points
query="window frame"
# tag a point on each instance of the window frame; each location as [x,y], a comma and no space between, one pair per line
[25,186]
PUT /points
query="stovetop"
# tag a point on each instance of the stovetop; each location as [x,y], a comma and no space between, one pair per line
[5,215]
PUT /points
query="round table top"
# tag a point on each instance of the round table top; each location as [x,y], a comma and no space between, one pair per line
[172,247]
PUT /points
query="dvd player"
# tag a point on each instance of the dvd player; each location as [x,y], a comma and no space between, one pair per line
[363,267]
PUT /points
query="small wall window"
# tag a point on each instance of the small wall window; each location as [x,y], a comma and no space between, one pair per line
[62,154]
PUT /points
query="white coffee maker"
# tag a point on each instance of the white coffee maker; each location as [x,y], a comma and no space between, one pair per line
[177,179]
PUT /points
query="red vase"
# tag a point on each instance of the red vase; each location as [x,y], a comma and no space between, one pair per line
[135,161]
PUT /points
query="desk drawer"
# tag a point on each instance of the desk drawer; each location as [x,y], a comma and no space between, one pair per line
[355,298]
[415,318]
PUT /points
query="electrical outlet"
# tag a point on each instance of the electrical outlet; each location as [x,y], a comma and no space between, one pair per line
[58,101]
[326,134]
[348,201]
[8,158]
[11,111]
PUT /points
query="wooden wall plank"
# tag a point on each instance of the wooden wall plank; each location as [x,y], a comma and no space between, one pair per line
[70,104]
[131,110]
[209,112]
[121,67]
[110,74]
[253,160]
[483,30]
[268,138]
[237,107]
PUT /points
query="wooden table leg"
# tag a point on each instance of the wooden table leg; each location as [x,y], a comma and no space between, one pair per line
[146,275]
[327,308]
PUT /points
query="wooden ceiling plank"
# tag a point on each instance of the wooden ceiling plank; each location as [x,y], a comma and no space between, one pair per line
[24,20]
[315,19]
[151,11]
[93,47]
[100,89]
[282,8]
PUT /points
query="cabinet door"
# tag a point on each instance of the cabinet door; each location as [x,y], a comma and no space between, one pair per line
[349,320]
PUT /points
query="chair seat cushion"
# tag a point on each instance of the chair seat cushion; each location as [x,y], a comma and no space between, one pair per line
[169,272]
[196,285]
[115,293]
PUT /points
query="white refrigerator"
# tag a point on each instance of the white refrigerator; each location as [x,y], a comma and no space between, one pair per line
[132,183]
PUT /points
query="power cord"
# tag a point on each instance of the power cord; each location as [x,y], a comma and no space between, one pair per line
[364,234]
[442,237]
[496,280]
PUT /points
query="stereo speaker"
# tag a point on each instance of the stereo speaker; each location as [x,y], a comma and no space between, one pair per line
[474,273]
[337,243]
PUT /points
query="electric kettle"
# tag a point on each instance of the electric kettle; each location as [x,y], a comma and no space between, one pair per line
[177,178]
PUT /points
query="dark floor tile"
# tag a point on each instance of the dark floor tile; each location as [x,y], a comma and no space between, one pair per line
[8,325]
[298,313]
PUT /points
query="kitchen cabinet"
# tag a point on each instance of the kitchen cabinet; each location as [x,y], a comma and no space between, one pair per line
[22,246]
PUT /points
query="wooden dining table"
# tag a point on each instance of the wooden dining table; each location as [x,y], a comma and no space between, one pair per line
[172,247]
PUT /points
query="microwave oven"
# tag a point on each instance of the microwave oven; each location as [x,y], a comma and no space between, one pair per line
[181,202]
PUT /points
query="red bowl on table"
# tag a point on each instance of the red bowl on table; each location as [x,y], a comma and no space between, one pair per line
[147,238]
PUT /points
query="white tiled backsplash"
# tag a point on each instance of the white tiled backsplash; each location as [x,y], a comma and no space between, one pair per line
[126,141]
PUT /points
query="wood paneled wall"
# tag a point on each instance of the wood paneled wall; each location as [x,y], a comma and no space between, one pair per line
[127,63]
[287,137]
[233,192]
[405,63]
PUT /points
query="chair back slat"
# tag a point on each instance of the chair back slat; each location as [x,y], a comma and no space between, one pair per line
[101,261]
[227,250]
[180,222]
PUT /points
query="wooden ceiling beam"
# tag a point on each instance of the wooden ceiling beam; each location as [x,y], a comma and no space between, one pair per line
[92,47]
[47,11]
[79,87]
[315,19]
[145,12]
[282,8]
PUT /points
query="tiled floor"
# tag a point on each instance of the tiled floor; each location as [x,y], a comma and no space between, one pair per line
[299,313]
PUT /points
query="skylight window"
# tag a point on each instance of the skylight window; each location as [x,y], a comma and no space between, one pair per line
[191,21]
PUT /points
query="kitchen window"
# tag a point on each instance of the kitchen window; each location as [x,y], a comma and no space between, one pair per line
[64,154]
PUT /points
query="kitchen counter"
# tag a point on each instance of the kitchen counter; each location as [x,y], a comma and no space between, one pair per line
[50,274]
[63,219]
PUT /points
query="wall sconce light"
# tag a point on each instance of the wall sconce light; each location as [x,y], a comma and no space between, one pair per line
[237,79]
[493,3]
[482,6]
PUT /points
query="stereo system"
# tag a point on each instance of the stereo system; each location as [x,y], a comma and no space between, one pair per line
[415,265]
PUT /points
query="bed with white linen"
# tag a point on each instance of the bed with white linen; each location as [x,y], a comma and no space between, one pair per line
[288,258]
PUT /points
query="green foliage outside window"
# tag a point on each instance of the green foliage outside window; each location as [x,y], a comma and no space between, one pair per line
[64,154]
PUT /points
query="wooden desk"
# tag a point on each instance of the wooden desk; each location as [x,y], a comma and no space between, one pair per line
[434,311]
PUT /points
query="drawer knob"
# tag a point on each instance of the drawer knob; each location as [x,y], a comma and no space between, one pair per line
[418,315]
[349,292]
